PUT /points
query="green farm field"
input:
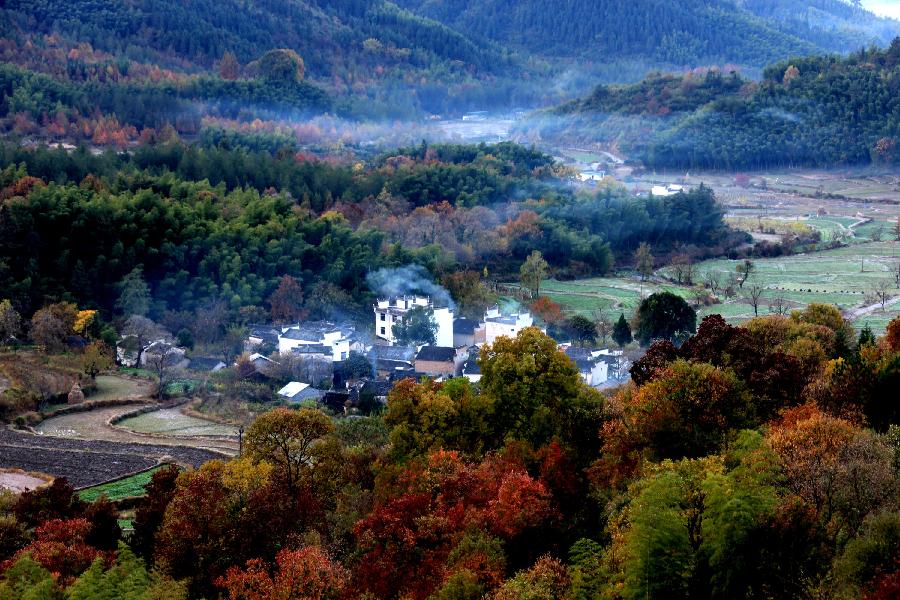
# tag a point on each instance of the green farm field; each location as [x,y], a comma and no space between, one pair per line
[845,277]
[129,487]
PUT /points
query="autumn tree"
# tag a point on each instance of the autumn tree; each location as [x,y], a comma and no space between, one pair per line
[664,315]
[148,516]
[548,578]
[96,358]
[622,331]
[10,321]
[286,302]
[60,547]
[282,66]
[307,574]
[547,310]
[429,416]
[643,258]
[51,326]
[161,364]
[226,513]
[892,335]
[843,472]
[532,272]
[472,296]
[229,67]
[287,439]
[686,411]
[683,268]
[537,392]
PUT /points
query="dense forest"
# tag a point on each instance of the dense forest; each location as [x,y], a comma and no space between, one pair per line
[815,111]
[688,32]
[210,224]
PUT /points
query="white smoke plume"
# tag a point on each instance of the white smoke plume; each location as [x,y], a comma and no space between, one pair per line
[408,280]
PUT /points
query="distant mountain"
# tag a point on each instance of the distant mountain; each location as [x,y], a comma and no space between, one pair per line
[814,111]
[688,32]
[330,35]
[389,60]
[835,25]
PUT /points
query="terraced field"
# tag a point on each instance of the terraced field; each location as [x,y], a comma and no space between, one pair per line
[94,425]
[845,277]
[90,462]
[171,421]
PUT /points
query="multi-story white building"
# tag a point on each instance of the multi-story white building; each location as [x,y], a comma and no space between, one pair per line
[497,324]
[390,311]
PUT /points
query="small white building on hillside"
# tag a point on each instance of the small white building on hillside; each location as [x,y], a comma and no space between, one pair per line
[666,190]
[390,311]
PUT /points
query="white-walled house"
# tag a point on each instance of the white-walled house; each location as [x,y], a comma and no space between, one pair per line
[390,311]
[335,340]
[593,365]
[497,324]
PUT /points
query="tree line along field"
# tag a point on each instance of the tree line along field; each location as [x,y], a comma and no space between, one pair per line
[845,277]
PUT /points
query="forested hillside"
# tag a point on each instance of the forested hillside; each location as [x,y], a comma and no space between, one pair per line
[329,35]
[820,111]
[687,32]
[209,224]
[369,50]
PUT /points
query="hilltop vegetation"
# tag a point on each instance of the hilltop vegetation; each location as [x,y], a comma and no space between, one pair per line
[684,33]
[814,111]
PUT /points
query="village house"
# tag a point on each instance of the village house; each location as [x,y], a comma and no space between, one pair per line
[206,364]
[592,364]
[173,356]
[438,361]
[390,311]
[258,367]
[262,336]
[334,340]
[471,369]
[296,391]
[496,324]
[464,332]
[387,360]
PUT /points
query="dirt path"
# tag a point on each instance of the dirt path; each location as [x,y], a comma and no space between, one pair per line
[865,310]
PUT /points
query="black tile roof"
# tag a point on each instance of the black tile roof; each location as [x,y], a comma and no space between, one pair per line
[464,326]
[437,353]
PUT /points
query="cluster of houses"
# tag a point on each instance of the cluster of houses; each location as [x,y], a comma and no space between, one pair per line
[321,348]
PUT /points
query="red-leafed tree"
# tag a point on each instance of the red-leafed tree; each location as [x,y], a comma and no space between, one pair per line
[305,574]
[286,302]
[60,547]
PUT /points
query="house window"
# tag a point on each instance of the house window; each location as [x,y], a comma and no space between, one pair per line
[382,331]
[382,316]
